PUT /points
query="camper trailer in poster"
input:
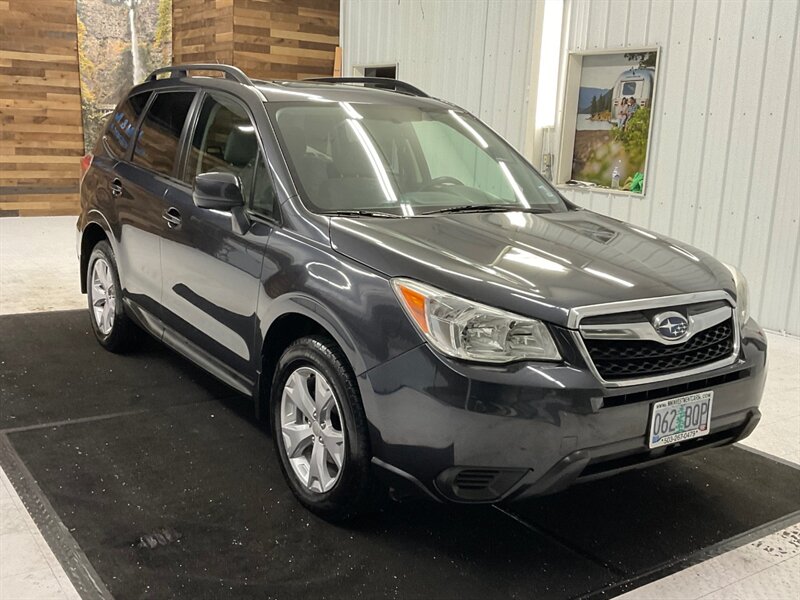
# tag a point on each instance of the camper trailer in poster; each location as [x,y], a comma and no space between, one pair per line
[636,84]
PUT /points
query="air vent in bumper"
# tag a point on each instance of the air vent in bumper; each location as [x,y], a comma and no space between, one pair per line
[477,484]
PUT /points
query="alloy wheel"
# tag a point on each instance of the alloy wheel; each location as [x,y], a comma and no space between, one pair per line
[104,296]
[312,429]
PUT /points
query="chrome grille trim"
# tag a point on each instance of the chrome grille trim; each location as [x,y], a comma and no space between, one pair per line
[643,330]
[577,314]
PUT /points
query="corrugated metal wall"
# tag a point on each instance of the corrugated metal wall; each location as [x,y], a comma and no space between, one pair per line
[476,53]
[724,168]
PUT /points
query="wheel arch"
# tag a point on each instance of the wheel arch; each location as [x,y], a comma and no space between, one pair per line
[295,321]
[91,235]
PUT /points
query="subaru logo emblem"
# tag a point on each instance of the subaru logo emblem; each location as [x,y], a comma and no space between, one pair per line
[671,325]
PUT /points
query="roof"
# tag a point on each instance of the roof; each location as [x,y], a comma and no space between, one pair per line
[298,91]
[341,89]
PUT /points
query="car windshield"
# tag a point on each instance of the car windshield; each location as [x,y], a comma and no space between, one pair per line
[404,161]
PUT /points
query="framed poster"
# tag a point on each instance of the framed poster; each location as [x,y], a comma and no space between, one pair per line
[119,43]
[608,119]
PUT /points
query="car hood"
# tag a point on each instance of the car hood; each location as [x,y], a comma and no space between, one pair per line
[534,265]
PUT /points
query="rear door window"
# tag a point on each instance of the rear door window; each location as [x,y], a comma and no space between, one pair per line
[158,141]
[122,125]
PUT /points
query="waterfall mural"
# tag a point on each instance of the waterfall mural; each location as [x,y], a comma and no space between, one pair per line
[119,43]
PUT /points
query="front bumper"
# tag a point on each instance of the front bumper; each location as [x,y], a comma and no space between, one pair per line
[476,433]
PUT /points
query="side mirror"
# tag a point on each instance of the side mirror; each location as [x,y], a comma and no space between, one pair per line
[217,190]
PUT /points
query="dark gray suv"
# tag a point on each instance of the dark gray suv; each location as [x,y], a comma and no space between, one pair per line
[404,297]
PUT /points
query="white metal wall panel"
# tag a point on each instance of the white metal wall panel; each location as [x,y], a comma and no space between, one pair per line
[724,165]
[475,53]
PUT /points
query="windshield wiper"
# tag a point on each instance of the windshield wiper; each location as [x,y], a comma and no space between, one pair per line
[485,208]
[362,213]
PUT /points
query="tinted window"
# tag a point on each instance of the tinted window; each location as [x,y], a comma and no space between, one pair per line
[159,136]
[225,140]
[629,88]
[119,130]
[406,160]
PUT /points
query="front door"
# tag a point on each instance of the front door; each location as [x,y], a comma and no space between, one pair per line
[211,271]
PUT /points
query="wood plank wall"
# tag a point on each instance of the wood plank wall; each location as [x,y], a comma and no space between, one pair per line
[202,31]
[41,134]
[267,39]
[276,39]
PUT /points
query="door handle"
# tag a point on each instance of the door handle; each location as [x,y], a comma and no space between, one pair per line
[172,216]
[116,187]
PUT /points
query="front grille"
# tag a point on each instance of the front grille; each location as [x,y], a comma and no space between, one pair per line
[622,359]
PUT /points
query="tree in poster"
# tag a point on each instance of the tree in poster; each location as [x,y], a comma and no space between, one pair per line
[634,135]
[89,108]
[645,59]
[163,38]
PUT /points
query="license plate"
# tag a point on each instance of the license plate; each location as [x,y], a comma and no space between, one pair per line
[680,419]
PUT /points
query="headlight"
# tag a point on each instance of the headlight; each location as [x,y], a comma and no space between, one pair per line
[742,294]
[464,329]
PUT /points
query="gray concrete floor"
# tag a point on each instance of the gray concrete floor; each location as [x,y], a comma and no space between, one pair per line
[39,272]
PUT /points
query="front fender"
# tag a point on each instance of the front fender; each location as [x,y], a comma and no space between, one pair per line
[353,303]
[313,309]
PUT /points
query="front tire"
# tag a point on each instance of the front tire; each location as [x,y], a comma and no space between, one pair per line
[320,430]
[111,326]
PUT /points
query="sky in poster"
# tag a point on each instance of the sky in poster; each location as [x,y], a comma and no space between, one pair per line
[602,70]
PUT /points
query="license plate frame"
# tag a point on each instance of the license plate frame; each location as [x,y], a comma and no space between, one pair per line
[668,419]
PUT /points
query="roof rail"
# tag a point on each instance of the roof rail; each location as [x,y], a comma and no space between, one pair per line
[232,73]
[399,86]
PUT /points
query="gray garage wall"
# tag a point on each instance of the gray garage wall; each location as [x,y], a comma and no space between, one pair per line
[476,53]
[724,167]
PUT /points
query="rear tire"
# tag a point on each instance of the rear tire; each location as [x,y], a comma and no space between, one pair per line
[112,327]
[320,430]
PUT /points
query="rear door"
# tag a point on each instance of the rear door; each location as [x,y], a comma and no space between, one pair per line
[140,185]
[138,233]
[211,271]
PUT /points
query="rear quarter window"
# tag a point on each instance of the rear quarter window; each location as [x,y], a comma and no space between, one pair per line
[118,135]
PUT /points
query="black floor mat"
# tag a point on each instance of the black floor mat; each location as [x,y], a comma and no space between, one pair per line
[52,369]
[180,453]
